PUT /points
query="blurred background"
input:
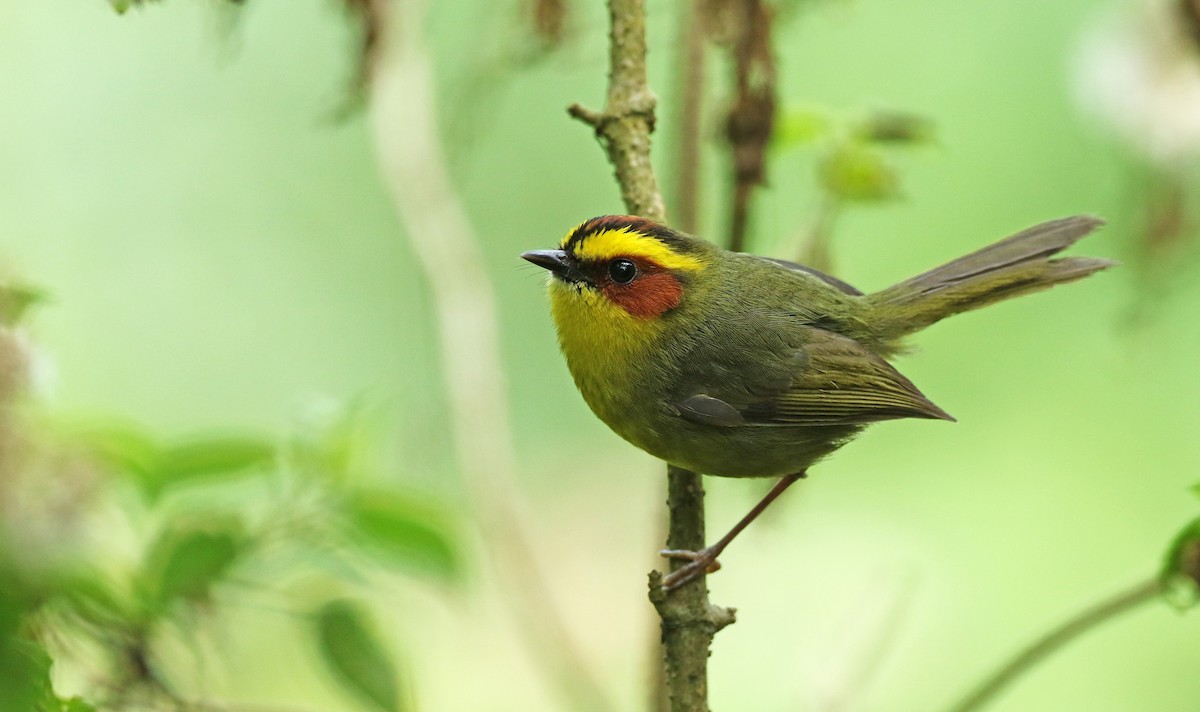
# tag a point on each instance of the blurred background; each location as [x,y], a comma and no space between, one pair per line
[233,352]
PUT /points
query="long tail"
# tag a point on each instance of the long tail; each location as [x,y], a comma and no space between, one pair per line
[1016,265]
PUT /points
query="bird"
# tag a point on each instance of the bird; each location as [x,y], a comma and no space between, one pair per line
[738,365]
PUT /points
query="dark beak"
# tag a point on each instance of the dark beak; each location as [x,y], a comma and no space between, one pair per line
[557,262]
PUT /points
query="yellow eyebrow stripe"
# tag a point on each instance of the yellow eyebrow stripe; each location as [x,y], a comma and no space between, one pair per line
[607,244]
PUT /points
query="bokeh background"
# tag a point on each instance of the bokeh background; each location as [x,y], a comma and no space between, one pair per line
[220,253]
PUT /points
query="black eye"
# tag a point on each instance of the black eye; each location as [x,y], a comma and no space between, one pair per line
[622,271]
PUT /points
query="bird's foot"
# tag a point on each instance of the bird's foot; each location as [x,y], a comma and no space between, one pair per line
[700,562]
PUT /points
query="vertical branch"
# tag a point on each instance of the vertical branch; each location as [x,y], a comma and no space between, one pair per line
[752,114]
[691,81]
[625,125]
[689,621]
[409,149]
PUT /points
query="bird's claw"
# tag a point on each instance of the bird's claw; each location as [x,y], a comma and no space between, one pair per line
[700,562]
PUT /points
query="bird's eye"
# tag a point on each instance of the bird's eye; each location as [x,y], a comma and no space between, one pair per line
[622,271]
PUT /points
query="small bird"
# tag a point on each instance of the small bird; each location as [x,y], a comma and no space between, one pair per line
[736,365]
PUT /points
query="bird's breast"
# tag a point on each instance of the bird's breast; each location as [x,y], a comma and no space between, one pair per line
[609,352]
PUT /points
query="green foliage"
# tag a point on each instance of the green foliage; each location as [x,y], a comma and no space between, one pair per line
[16,300]
[407,530]
[236,499]
[24,664]
[802,126]
[858,172]
[123,6]
[1180,574]
[24,668]
[351,651]
[187,560]
[853,163]
[156,468]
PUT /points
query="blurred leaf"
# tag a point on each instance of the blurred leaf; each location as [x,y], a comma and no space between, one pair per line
[354,655]
[187,561]
[23,667]
[895,127]
[156,468]
[15,301]
[407,529]
[801,126]
[25,676]
[1196,489]
[90,598]
[853,171]
[77,705]
[338,447]
[122,447]
[208,458]
[1180,575]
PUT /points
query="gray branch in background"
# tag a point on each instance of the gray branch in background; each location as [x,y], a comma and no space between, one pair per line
[409,150]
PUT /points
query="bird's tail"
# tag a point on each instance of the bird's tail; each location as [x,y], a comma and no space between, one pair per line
[1016,265]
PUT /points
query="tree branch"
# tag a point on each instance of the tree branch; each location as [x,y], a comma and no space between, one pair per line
[689,621]
[409,147]
[1055,639]
[625,125]
[690,118]
[752,114]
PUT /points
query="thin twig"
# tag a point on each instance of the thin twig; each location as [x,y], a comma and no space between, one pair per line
[625,125]
[1055,639]
[690,118]
[815,248]
[440,234]
[752,114]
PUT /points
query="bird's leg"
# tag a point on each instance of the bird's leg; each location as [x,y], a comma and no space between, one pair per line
[705,560]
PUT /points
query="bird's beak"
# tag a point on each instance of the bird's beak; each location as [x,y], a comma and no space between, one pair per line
[557,262]
[553,260]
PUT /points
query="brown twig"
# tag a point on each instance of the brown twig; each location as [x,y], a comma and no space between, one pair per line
[625,124]
[689,621]
[752,114]
[685,202]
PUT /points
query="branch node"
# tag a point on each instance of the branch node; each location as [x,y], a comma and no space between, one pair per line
[592,118]
[721,616]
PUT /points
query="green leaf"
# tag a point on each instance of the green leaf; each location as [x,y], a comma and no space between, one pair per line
[408,530]
[210,458]
[16,300]
[853,171]
[122,447]
[186,562]
[24,674]
[801,126]
[1180,573]
[355,657]
[895,127]
[76,704]
[1196,489]
[156,468]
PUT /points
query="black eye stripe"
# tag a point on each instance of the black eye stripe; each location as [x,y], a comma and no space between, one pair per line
[622,271]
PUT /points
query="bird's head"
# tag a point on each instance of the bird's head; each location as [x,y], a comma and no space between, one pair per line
[621,268]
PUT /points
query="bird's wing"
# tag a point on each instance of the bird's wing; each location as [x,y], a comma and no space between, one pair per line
[829,379]
[829,279]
